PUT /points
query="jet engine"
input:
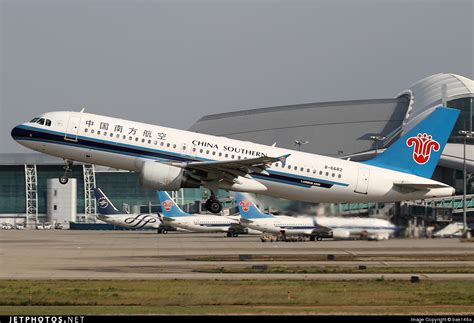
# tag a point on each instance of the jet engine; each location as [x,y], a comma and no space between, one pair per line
[164,177]
[340,234]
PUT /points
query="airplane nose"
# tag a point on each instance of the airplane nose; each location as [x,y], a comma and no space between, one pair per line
[16,132]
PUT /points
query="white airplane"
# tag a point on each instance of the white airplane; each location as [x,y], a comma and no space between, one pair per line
[174,216]
[109,214]
[452,230]
[314,227]
[169,159]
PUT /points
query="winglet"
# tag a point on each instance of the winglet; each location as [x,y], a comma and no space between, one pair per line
[283,158]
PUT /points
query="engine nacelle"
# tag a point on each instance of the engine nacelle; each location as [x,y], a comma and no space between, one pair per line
[165,177]
[340,234]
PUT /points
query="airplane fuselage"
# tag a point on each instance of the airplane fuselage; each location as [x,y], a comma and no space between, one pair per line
[204,223]
[341,228]
[124,144]
[132,221]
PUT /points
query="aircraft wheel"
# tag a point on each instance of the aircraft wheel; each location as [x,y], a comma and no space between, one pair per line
[213,206]
[63,180]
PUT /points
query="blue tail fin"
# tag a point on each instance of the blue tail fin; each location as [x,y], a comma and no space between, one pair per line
[168,207]
[104,206]
[419,150]
[248,209]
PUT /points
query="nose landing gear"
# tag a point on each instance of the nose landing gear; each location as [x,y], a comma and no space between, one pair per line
[67,168]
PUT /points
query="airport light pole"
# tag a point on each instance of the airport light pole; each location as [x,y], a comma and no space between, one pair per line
[300,142]
[465,134]
[376,139]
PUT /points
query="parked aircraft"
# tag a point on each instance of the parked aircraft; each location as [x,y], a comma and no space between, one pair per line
[173,215]
[452,230]
[314,227]
[109,214]
[169,159]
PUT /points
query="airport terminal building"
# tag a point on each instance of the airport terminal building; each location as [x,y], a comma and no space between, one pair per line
[358,129]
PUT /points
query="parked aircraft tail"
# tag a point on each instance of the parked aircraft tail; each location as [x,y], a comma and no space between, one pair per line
[104,205]
[168,207]
[419,150]
[248,209]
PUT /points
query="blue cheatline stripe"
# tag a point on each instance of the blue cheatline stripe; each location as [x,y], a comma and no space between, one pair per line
[214,225]
[337,227]
[156,154]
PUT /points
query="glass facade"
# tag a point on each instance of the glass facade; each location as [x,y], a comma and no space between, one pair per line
[465,120]
[12,189]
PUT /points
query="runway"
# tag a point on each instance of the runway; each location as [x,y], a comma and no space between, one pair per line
[67,254]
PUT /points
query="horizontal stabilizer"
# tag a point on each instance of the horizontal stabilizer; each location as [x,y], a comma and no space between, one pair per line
[418,186]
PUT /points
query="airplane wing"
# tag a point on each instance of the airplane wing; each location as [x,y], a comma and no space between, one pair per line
[231,169]
[418,186]
[320,229]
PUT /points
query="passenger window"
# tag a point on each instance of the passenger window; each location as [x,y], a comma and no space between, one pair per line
[232,157]
[111,135]
[302,169]
[226,155]
[124,137]
[238,157]
[327,173]
[213,153]
[333,174]
[314,171]
[143,139]
[339,176]
[136,139]
[168,144]
[98,132]
[295,168]
[85,130]
[220,154]
[130,138]
[289,166]
[92,131]
[149,141]
[162,143]
[320,172]
[105,133]
[307,170]
[194,149]
[174,146]
[118,136]
[207,152]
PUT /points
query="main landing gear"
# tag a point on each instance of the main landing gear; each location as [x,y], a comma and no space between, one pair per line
[213,205]
[67,168]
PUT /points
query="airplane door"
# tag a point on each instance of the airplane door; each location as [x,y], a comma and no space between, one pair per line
[72,129]
[362,181]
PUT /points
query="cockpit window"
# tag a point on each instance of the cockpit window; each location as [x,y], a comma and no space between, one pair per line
[48,123]
[34,120]
[40,121]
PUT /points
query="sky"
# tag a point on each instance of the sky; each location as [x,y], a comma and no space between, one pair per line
[171,62]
